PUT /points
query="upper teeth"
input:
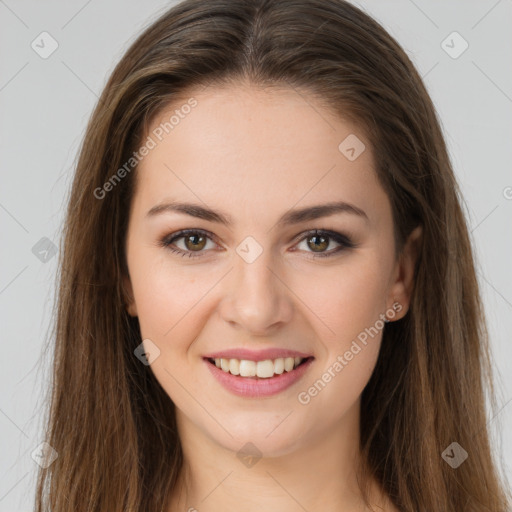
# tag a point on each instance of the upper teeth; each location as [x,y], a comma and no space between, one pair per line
[263,369]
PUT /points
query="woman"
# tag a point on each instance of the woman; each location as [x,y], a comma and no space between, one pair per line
[268,297]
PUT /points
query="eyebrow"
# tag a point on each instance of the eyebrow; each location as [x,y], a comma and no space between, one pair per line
[290,217]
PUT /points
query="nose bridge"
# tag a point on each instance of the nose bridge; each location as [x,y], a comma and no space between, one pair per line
[258,299]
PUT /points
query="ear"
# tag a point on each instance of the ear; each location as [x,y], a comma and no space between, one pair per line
[402,285]
[130,305]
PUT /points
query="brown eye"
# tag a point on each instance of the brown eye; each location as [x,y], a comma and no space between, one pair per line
[195,242]
[316,243]
[188,242]
[319,242]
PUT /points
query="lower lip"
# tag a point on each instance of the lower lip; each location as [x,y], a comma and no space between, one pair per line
[255,387]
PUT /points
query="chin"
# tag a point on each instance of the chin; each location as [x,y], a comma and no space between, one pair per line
[267,437]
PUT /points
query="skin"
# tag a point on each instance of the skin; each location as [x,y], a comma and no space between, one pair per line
[255,154]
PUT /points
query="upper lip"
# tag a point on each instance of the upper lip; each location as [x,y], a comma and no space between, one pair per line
[256,355]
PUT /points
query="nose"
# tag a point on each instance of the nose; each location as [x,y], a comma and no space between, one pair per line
[257,299]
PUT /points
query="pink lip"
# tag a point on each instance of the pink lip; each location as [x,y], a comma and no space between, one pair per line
[256,355]
[254,387]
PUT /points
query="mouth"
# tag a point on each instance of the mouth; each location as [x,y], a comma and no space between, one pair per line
[264,378]
[259,370]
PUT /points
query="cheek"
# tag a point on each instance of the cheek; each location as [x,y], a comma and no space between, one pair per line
[336,388]
[168,299]
[352,309]
[349,299]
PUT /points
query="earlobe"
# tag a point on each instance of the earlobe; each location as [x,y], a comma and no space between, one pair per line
[130,305]
[402,288]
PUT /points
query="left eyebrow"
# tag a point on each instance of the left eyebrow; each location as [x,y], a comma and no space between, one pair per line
[291,217]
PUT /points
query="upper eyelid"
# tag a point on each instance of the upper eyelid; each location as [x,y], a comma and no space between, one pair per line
[184,232]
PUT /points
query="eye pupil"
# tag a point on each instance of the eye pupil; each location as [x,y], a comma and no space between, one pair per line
[322,245]
[196,245]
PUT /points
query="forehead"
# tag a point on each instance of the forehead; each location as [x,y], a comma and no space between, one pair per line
[252,148]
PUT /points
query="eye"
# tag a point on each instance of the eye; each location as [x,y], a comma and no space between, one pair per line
[195,240]
[318,240]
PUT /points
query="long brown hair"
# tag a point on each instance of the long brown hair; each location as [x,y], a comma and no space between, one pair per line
[109,420]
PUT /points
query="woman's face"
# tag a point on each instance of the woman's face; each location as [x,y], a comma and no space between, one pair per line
[261,278]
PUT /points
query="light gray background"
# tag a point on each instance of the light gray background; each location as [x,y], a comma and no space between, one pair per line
[45,104]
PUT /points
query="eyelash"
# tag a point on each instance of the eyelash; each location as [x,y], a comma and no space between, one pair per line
[344,241]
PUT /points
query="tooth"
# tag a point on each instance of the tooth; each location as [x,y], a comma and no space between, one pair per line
[265,369]
[279,366]
[247,368]
[288,364]
[234,366]
[224,364]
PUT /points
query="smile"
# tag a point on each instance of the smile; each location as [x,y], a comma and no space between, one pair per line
[262,369]
[258,379]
